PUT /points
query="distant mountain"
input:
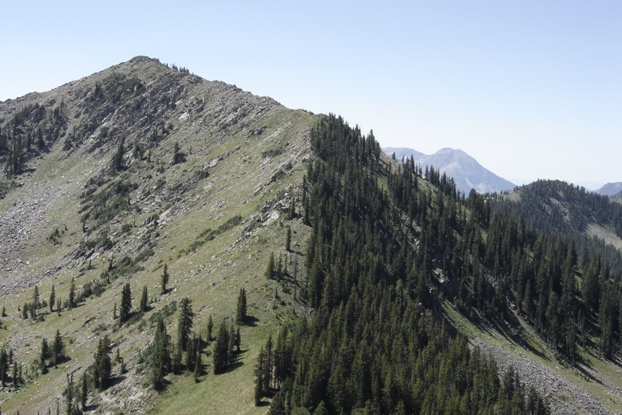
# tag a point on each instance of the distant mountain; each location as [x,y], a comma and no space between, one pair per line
[402,152]
[610,189]
[464,169]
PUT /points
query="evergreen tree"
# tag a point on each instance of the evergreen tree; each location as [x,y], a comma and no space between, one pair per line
[161,360]
[221,349]
[117,158]
[52,298]
[197,366]
[35,300]
[184,324]
[69,392]
[237,342]
[288,239]
[84,395]
[72,294]
[126,304]
[210,329]
[178,156]
[241,308]
[164,279]
[277,406]
[259,384]
[15,375]
[103,365]
[291,213]
[144,305]
[58,349]
[268,367]
[270,272]
[45,354]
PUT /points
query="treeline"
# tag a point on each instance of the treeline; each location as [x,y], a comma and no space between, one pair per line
[379,240]
[29,132]
[579,207]
[560,208]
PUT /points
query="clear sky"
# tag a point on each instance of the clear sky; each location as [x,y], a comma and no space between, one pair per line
[531,89]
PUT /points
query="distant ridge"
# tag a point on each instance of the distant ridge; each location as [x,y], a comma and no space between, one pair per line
[465,170]
[610,189]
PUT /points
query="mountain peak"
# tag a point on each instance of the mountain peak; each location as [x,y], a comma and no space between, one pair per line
[610,189]
[465,170]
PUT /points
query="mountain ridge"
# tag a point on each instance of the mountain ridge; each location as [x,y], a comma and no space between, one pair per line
[144,168]
[186,143]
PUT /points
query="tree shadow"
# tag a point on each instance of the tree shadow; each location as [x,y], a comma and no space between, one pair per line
[250,321]
[508,326]
[114,381]
[580,365]
[233,367]
[91,408]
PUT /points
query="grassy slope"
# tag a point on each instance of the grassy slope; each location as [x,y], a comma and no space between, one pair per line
[239,184]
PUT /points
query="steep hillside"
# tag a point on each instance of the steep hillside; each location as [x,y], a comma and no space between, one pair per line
[143,166]
[466,172]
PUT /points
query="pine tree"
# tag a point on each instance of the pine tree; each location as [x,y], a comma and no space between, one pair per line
[266,376]
[35,300]
[288,239]
[176,366]
[197,366]
[291,214]
[164,279]
[103,364]
[259,384]
[210,329]
[58,349]
[72,294]
[15,375]
[84,395]
[117,158]
[221,349]
[237,342]
[45,354]
[69,395]
[144,305]
[277,406]
[52,298]
[161,360]
[241,308]
[126,304]
[184,324]
[270,272]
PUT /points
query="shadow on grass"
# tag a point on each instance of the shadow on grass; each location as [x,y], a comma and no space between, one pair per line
[250,321]
[233,367]
[507,326]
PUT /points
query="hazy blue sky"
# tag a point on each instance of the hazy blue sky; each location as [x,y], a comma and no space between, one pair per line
[531,89]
